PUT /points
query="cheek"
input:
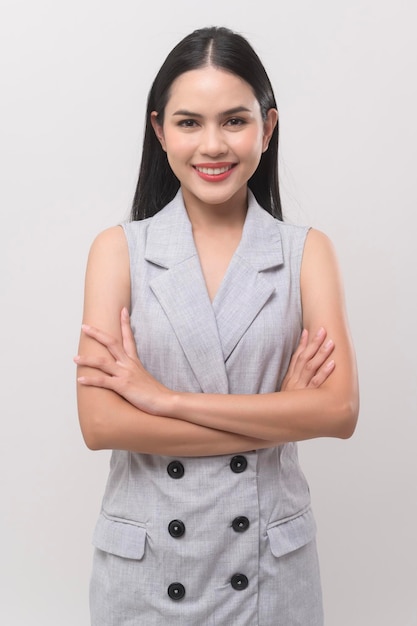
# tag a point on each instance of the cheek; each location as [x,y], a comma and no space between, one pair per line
[178,146]
[250,144]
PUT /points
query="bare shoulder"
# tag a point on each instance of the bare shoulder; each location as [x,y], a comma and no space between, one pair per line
[109,253]
[319,256]
[317,241]
[109,241]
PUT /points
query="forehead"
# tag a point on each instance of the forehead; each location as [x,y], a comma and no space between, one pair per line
[209,87]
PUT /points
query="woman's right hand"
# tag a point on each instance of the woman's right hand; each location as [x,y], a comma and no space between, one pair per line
[121,370]
[310,366]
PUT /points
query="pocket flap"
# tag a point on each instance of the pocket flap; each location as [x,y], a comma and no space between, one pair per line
[120,537]
[289,535]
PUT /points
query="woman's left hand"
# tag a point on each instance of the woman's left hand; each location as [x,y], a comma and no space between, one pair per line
[310,365]
[122,371]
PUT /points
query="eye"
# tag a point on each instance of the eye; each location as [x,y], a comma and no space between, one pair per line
[235,121]
[187,123]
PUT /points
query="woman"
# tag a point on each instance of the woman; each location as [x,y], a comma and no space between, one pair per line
[206,517]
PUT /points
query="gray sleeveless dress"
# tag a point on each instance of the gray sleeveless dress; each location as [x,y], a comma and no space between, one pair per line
[222,540]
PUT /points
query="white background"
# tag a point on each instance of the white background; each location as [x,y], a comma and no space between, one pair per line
[74,79]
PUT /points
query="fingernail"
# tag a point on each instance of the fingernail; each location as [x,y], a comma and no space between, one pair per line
[328,344]
[76,358]
[85,326]
[125,313]
[320,332]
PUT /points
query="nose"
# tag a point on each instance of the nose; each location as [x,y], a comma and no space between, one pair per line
[213,142]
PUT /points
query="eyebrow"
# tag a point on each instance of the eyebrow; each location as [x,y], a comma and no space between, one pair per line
[233,111]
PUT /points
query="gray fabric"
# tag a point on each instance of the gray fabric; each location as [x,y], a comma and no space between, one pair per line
[240,343]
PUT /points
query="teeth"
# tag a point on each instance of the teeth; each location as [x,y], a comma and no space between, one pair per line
[213,171]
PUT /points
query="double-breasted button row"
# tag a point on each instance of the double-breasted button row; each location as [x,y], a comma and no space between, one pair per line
[240,524]
[239,582]
[238,464]
[176,528]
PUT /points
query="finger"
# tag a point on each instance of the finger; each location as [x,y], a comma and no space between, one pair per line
[102,381]
[128,340]
[313,357]
[303,340]
[108,341]
[303,343]
[321,356]
[318,361]
[104,365]
[315,342]
[306,350]
[322,375]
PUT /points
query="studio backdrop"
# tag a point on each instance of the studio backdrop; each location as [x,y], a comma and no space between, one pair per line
[74,81]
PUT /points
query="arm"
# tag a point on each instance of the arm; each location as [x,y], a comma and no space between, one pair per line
[276,417]
[107,419]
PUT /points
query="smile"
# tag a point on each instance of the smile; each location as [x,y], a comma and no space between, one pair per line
[213,171]
[214,174]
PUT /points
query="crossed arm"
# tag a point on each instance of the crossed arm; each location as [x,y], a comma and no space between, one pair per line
[122,406]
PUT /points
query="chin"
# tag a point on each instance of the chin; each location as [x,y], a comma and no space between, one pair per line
[216,196]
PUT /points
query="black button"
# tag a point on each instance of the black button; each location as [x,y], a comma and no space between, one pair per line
[176,528]
[175,469]
[238,464]
[239,582]
[240,524]
[176,591]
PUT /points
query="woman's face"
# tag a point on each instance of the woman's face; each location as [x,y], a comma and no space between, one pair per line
[213,134]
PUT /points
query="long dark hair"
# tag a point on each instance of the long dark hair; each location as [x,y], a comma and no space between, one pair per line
[222,48]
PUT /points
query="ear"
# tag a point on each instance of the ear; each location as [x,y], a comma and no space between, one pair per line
[159,131]
[269,126]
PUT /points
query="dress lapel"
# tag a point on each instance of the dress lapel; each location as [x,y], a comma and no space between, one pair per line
[209,332]
[245,290]
[181,291]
